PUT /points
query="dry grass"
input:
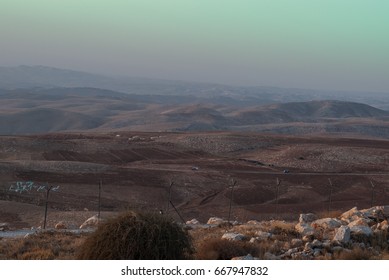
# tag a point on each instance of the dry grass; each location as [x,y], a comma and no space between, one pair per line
[42,246]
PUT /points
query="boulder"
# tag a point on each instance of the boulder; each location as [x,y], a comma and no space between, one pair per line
[60,225]
[304,229]
[351,214]
[363,230]
[326,223]
[253,222]
[233,236]
[91,222]
[216,221]
[316,244]
[307,218]
[342,234]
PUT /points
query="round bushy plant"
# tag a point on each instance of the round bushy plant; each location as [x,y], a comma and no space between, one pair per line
[137,236]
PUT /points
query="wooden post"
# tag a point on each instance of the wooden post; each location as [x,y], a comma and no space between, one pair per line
[175,209]
[47,202]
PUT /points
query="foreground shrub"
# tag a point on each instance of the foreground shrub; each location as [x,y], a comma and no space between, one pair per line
[137,236]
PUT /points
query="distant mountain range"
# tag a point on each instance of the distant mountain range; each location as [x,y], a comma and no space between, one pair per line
[177,92]
[42,110]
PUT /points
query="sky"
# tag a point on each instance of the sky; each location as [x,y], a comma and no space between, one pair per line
[318,44]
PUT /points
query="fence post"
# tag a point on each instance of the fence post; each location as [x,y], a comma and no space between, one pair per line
[170,195]
[47,202]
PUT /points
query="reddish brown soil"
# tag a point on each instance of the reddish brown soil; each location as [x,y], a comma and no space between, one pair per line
[136,170]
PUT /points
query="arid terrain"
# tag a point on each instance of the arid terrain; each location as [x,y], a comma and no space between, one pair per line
[200,172]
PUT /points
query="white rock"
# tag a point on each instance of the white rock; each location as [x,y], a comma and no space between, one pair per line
[192,222]
[233,236]
[91,222]
[307,218]
[4,226]
[262,235]
[216,221]
[342,234]
[327,223]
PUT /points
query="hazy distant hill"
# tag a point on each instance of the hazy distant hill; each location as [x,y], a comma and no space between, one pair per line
[177,92]
[307,112]
[32,111]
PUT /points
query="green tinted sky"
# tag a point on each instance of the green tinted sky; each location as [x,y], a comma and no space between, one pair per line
[333,44]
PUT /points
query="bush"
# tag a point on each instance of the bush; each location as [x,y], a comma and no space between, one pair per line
[222,249]
[137,236]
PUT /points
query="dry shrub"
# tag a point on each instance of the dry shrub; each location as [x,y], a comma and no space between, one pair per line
[41,246]
[222,249]
[137,236]
[355,254]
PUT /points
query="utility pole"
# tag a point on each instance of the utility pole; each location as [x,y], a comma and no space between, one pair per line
[47,202]
[99,202]
[330,197]
[170,195]
[278,183]
[372,193]
[232,193]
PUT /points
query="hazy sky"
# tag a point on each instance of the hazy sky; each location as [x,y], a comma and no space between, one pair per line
[324,44]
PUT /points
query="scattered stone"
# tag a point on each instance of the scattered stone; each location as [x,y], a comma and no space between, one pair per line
[296,242]
[270,256]
[4,226]
[216,221]
[308,238]
[326,244]
[91,222]
[253,222]
[233,236]
[316,244]
[317,252]
[290,252]
[262,235]
[60,225]
[192,222]
[247,257]
[342,234]
[307,218]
